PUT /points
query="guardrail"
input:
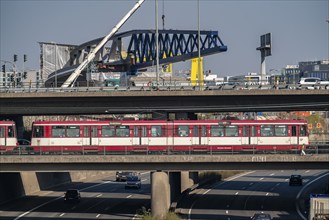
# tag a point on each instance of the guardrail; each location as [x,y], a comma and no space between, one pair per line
[163,86]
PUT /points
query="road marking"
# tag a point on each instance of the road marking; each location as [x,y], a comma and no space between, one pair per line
[73,207]
[61,214]
[251,184]
[98,215]
[129,196]
[277,184]
[99,195]
[236,193]
[261,178]
[216,185]
[267,194]
[272,174]
[226,211]
[61,197]
[307,171]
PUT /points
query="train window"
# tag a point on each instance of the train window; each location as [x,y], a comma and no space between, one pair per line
[253,131]
[217,131]
[136,131]
[11,131]
[94,132]
[245,131]
[2,132]
[122,131]
[266,130]
[86,131]
[156,131]
[204,131]
[144,131]
[232,131]
[293,131]
[195,131]
[281,130]
[183,130]
[302,131]
[108,131]
[38,131]
[58,131]
[73,131]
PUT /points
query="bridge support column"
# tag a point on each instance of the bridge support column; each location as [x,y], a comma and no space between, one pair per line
[160,194]
[188,179]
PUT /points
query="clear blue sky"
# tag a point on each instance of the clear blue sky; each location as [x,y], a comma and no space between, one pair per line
[299,28]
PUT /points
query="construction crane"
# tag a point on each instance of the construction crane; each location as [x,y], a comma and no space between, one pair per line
[92,54]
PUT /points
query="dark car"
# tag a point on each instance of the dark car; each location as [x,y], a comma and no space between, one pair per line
[24,147]
[133,182]
[122,176]
[72,195]
[261,216]
[295,180]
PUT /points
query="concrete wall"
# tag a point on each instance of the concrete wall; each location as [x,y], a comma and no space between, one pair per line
[16,185]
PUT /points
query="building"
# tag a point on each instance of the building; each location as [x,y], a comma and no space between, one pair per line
[30,78]
[319,69]
[291,74]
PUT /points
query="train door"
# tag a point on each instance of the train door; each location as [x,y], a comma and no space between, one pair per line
[94,136]
[196,138]
[86,140]
[253,139]
[294,140]
[3,139]
[137,138]
[144,140]
[203,135]
[245,139]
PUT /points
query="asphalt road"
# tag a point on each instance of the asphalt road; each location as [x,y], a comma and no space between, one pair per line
[238,198]
[102,199]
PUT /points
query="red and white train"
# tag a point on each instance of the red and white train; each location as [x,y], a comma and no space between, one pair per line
[8,136]
[169,136]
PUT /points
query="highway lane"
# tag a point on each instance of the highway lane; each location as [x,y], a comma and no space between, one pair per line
[240,197]
[103,199]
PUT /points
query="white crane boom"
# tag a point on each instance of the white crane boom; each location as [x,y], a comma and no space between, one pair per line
[92,54]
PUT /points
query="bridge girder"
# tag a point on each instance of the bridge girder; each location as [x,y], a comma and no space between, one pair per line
[174,46]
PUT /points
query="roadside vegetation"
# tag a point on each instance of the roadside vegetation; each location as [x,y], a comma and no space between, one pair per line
[146,215]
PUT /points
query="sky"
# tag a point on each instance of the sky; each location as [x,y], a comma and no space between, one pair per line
[298,27]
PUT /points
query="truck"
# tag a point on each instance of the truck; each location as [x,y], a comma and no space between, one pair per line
[319,206]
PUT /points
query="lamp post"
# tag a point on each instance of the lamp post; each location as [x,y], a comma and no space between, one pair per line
[199,53]
[157,43]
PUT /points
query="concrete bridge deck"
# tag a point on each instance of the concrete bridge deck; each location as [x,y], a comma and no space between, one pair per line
[162,162]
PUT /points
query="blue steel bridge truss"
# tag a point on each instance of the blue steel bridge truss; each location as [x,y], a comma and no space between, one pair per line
[174,46]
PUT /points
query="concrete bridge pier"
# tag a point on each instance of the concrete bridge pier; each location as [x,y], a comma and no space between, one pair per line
[188,179]
[167,187]
[160,194]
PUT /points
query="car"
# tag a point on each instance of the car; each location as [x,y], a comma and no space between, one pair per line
[261,216]
[72,195]
[24,147]
[133,182]
[122,176]
[23,142]
[295,180]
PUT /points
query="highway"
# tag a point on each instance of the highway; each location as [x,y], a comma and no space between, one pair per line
[239,197]
[102,199]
